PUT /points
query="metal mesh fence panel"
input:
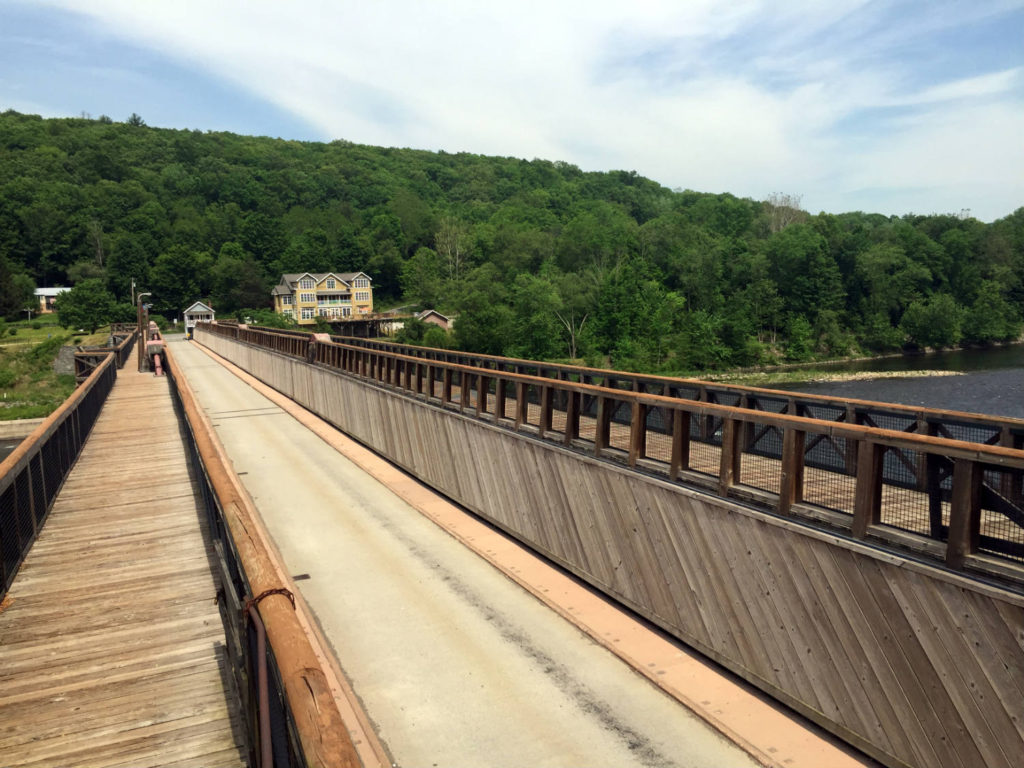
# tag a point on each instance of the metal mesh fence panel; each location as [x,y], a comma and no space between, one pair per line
[903,506]
[659,441]
[1002,513]
[621,417]
[832,490]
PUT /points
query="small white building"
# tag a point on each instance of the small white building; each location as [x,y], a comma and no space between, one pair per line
[197,313]
[46,297]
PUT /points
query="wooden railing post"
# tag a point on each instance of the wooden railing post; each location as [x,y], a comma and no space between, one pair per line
[867,501]
[522,390]
[791,489]
[602,429]
[572,416]
[446,386]
[729,468]
[964,512]
[499,398]
[545,410]
[680,459]
[419,378]
[637,433]
[483,384]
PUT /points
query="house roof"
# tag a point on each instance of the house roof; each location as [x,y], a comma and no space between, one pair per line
[426,312]
[199,307]
[50,291]
[291,278]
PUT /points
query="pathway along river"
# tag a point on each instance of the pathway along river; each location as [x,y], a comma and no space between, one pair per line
[991,381]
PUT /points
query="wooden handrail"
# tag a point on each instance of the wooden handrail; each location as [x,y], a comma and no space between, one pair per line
[740,426]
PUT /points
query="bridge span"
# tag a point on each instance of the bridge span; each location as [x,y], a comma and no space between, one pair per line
[861,564]
[454,661]
[866,573]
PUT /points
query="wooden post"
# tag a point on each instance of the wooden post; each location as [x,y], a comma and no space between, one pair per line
[791,489]
[499,398]
[964,512]
[602,429]
[637,433]
[419,378]
[545,410]
[446,386]
[572,417]
[729,468]
[483,383]
[522,390]
[867,503]
[680,443]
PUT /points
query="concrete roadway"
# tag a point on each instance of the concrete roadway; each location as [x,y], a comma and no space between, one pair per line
[455,663]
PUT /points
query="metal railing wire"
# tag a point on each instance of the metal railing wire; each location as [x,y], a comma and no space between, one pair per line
[32,476]
[816,460]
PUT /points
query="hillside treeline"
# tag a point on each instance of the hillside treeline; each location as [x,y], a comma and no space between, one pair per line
[537,258]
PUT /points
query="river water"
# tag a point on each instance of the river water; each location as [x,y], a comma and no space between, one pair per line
[6,446]
[991,381]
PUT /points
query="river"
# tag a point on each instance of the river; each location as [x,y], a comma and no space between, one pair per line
[991,381]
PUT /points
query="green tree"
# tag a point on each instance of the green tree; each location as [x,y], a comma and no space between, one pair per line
[88,305]
[933,322]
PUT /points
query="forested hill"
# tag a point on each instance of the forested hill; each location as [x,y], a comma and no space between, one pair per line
[533,256]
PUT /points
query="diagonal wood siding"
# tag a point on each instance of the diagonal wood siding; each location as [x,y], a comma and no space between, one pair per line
[914,664]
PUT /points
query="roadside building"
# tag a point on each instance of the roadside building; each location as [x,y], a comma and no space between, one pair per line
[197,313]
[304,296]
[46,297]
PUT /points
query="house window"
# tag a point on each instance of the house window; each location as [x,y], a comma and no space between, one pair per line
[362,282]
[286,300]
[362,295]
[288,313]
[307,313]
[330,283]
[307,298]
[307,283]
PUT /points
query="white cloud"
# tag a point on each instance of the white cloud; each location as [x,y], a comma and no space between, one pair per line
[744,97]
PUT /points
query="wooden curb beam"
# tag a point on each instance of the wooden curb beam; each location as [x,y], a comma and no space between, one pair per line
[323,734]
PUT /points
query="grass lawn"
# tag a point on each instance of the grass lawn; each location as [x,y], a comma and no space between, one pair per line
[29,388]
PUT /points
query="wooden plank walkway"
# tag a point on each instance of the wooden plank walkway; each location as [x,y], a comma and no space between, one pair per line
[111,644]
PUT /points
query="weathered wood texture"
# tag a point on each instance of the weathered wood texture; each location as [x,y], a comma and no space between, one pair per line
[111,643]
[912,663]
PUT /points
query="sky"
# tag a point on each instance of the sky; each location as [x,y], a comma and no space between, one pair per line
[887,106]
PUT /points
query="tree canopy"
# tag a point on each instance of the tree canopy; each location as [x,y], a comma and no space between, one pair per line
[533,257]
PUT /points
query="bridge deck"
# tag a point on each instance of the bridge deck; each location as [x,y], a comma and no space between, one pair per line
[111,642]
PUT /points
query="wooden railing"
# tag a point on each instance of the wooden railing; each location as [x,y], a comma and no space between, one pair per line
[961,502]
[32,475]
[87,359]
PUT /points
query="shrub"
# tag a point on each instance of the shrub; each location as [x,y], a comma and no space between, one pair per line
[12,331]
[36,325]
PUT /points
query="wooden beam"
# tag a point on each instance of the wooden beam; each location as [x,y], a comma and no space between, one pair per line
[483,384]
[499,398]
[602,429]
[637,433]
[867,502]
[964,512]
[791,489]
[729,468]
[545,410]
[522,390]
[572,416]
[680,443]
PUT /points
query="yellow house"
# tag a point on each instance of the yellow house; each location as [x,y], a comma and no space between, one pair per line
[305,296]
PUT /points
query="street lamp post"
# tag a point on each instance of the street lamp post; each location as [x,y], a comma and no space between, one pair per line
[143,360]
